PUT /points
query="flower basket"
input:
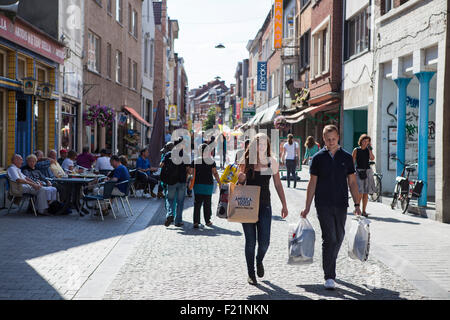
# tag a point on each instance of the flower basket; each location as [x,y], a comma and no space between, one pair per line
[280,123]
[102,115]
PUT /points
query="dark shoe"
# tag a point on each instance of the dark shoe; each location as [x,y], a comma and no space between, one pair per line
[160,195]
[364,214]
[260,270]
[179,224]
[252,280]
[209,223]
[169,220]
[195,225]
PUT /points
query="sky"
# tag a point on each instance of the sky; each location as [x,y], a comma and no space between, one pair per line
[206,23]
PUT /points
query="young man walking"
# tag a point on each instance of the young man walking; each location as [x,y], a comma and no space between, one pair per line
[332,173]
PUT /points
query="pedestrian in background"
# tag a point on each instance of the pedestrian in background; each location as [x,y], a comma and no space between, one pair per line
[332,172]
[290,156]
[205,169]
[176,190]
[311,147]
[86,159]
[259,174]
[362,155]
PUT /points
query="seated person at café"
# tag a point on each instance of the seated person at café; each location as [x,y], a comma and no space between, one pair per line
[68,164]
[85,159]
[103,162]
[43,164]
[145,171]
[31,171]
[63,156]
[120,174]
[55,167]
[28,185]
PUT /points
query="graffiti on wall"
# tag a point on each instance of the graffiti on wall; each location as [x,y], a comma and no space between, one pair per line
[412,131]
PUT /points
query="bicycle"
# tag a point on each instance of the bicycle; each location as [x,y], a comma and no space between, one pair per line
[404,188]
[378,186]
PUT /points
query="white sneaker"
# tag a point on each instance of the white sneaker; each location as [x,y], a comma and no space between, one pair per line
[147,195]
[330,284]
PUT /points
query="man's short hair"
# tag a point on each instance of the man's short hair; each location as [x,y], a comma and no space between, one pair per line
[39,152]
[142,151]
[14,156]
[115,158]
[103,151]
[50,151]
[85,149]
[330,128]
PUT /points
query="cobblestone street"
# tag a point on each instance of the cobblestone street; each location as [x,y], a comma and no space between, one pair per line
[209,263]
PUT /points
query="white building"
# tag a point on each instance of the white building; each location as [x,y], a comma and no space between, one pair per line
[410,56]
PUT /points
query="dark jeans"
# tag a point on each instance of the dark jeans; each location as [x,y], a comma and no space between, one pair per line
[150,179]
[290,167]
[257,231]
[332,222]
[205,200]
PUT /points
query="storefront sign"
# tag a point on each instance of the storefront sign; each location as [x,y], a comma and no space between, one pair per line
[173,114]
[278,24]
[262,76]
[25,36]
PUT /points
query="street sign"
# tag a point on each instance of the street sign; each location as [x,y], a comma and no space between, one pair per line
[262,76]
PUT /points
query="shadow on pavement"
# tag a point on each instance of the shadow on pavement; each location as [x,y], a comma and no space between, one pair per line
[25,238]
[213,231]
[389,220]
[273,292]
[352,292]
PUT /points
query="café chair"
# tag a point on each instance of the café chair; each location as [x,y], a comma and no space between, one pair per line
[108,187]
[16,191]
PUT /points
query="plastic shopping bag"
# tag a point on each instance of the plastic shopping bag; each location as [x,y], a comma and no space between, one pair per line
[230,174]
[222,207]
[301,242]
[359,239]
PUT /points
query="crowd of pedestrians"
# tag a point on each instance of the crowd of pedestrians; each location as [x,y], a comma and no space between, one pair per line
[333,171]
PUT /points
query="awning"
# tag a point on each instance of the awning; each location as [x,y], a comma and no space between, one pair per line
[256,119]
[137,116]
[269,115]
[301,115]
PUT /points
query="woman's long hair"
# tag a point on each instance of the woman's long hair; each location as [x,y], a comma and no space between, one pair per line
[253,149]
[290,139]
[310,142]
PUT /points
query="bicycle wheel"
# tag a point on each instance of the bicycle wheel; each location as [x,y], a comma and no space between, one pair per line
[376,195]
[396,195]
[405,204]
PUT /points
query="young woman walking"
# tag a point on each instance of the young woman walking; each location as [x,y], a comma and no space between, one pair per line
[362,155]
[257,168]
[204,168]
[312,148]
[291,154]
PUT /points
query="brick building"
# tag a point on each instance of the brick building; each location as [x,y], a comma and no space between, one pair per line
[112,75]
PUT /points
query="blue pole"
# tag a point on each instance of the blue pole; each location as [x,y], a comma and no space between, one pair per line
[402,85]
[424,80]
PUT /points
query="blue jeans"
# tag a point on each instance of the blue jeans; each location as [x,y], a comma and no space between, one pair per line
[175,201]
[260,232]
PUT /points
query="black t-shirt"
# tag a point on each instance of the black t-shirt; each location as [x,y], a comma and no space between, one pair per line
[362,158]
[203,172]
[332,172]
[181,168]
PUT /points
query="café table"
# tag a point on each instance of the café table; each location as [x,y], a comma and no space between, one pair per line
[72,189]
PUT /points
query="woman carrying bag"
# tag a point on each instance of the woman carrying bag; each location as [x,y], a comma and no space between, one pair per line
[256,170]
[364,174]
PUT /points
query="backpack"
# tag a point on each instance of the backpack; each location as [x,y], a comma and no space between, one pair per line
[169,172]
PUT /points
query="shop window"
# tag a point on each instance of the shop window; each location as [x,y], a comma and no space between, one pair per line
[68,127]
[3,64]
[21,69]
[3,160]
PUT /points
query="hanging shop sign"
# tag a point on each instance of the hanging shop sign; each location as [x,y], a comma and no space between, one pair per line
[262,76]
[173,114]
[46,90]
[29,86]
[278,24]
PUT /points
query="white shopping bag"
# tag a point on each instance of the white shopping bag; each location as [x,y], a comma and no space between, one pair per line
[301,242]
[359,239]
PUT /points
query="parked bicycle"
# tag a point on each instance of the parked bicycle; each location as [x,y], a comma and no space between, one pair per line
[378,186]
[405,189]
